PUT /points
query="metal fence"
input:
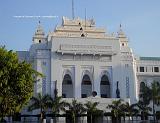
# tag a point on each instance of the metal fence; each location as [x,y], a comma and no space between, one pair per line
[82,119]
[104,121]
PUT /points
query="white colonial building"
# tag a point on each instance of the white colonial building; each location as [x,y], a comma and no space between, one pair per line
[78,58]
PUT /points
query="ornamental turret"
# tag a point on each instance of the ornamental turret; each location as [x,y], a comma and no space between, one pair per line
[122,37]
[39,36]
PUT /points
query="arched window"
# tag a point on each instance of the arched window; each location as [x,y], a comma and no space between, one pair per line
[67,87]
[67,79]
[104,80]
[86,80]
[105,87]
[142,85]
[86,86]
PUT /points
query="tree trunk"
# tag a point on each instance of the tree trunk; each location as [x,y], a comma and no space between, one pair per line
[55,119]
[124,118]
[154,118]
[129,118]
[143,117]
[74,118]
[117,119]
[41,116]
[2,119]
[132,118]
[91,118]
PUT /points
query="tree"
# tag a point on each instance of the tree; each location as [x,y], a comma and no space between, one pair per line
[144,100]
[75,109]
[144,109]
[57,105]
[116,108]
[130,110]
[145,94]
[155,96]
[92,109]
[40,102]
[152,93]
[16,82]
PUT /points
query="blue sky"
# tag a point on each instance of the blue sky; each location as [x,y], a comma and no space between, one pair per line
[140,20]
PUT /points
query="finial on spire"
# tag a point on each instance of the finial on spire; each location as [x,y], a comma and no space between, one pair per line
[120,26]
[120,32]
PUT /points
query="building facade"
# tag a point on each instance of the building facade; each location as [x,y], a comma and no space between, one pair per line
[78,58]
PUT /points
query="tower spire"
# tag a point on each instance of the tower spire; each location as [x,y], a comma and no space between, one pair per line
[72,9]
[120,32]
[39,35]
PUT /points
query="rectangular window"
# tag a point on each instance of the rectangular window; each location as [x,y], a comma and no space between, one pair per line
[141,69]
[126,65]
[156,69]
[104,95]
[63,95]
[84,95]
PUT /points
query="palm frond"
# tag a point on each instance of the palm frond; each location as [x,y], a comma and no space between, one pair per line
[40,102]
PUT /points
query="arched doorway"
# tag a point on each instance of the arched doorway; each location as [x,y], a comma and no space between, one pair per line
[142,86]
[105,87]
[86,86]
[67,87]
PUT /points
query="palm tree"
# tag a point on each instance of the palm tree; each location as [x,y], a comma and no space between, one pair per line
[92,109]
[75,108]
[155,97]
[149,94]
[116,108]
[144,109]
[40,102]
[130,110]
[57,105]
[145,94]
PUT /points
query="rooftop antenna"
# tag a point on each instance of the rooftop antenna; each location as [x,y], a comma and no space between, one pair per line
[85,18]
[72,9]
[120,26]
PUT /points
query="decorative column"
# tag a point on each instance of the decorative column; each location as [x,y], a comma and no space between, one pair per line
[96,80]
